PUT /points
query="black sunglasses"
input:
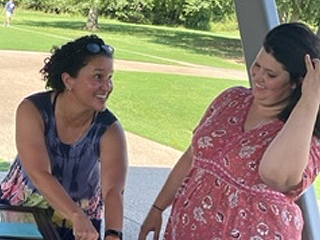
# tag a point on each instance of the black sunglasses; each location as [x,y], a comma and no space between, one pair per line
[95,48]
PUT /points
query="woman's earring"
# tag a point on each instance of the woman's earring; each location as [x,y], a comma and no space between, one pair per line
[69,89]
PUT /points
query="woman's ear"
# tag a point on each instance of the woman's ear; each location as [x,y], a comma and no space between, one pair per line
[67,80]
[295,85]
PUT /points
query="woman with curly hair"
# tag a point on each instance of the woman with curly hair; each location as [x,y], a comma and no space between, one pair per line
[72,156]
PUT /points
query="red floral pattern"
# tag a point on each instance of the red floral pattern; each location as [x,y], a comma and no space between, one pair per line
[223,197]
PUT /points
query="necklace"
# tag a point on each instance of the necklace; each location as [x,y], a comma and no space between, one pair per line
[85,127]
[83,130]
[80,135]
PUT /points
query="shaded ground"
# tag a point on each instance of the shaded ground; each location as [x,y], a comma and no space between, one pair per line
[20,76]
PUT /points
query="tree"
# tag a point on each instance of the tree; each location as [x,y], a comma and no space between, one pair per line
[93,16]
[167,11]
[133,11]
[221,9]
[311,13]
[299,10]
[89,8]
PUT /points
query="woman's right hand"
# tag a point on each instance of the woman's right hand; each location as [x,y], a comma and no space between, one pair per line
[153,223]
[83,228]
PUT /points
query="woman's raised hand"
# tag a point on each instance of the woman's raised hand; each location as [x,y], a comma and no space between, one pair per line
[311,82]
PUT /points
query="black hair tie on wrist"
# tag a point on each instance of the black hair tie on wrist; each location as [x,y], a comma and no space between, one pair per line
[114,233]
[158,208]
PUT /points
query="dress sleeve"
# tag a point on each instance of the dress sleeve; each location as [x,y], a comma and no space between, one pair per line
[312,170]
[221,101]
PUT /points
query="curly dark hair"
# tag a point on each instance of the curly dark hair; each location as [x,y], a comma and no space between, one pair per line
[70,58]
[289,43]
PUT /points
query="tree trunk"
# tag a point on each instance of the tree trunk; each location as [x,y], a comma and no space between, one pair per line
[283,17]
[92,21]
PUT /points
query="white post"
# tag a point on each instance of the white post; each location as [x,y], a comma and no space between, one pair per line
[255,19]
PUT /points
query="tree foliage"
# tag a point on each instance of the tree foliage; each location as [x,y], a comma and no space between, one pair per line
[167,11]
[221,9]
[310,12]
[136,11]
[299,10]
[197,14]
[56,6]
[189,13]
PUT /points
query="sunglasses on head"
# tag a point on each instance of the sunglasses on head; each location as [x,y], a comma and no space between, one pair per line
[95,48]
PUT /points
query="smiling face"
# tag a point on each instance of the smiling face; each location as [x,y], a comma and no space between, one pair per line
[93,84]
[270,81]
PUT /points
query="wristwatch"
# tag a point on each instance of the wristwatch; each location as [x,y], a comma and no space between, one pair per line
[114,233]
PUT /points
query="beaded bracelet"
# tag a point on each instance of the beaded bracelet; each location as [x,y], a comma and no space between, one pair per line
[158,208]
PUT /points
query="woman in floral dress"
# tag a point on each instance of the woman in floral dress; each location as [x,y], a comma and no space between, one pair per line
[254,152]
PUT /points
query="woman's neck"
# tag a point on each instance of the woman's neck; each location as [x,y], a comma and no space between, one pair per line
[267,111]
[70,113]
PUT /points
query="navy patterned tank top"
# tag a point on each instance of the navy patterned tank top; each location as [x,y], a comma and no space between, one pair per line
[77,167]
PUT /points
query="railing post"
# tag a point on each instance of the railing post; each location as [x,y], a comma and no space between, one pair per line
[309,205]
[255,19]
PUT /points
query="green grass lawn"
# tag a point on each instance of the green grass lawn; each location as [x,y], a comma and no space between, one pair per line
[40,31]
[4,165]
[317,187]
[163,107]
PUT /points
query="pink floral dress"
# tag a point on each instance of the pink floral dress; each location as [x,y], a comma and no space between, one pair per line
[223,197]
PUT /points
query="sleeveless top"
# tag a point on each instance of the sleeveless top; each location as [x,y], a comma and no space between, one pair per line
[77,166]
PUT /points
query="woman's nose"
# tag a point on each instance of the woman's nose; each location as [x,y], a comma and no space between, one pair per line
[257,75]
[108,85]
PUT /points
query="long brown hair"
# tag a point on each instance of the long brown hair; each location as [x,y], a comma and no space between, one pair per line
[289,43]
